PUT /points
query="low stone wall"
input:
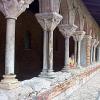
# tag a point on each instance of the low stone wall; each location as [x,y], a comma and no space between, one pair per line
[69,85]
[57,88]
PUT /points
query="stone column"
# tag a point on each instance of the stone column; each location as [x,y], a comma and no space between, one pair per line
[92,49]
[88,49]
[45,56]
[79,53]
[11,9]
[66,53]
[67,31]
[98,53]
[10,46]
[48,21]
[95,46]
[75,50]
[79,36]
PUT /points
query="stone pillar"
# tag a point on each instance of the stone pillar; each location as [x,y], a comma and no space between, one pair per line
[75,50]
[66,53]
[92,49]
[98,53]
[94,52]
[78,35]
[45,56]
[11,9]
[67,31]
[88,49]
[10,46]
[48,21]
[79,53]
[95,46]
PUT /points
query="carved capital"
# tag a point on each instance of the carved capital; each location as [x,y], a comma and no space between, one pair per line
[93,41]
[96,43]
[99,44]
[49,21]
[67,30]
[88,37]
[78,35]
[13,8]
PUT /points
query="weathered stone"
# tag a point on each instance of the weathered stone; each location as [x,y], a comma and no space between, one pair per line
[78,36]
[49,22]
[67,31]
[13,8]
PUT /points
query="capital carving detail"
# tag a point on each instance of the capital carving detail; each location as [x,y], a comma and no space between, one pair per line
[78,35]
[49,21]
[96,43]
[88,37]
[67,30]
[13,8]
[93,41]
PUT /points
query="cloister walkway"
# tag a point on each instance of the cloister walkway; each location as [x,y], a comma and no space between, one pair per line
[89,91]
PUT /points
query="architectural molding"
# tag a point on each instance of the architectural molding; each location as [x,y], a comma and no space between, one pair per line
[13,8]
[79,35]
[67,30]
[49,21]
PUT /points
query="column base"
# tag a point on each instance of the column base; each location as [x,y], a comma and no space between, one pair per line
[50,74]
[79,67]
[65,69]
[9,82]
[43,74]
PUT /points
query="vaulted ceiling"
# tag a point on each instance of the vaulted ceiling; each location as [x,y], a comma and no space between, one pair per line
[94,8]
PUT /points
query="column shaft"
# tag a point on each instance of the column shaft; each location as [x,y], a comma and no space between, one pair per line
[10,46]
[45,51]
[66,51]
[50,52]
[94,54]
[98,54]
[88,51]
[79,54]
[75,52]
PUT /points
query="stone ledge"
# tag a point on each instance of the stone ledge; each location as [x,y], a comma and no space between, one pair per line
[48,89]
[75,82]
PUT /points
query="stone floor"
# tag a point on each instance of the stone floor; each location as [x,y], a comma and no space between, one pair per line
[89,91]
[32,89]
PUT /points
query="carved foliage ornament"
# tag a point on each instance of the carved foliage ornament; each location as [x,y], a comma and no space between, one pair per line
[13,8]
[79,35]
[67,30]
[49,21]
[93,42]
[96,43]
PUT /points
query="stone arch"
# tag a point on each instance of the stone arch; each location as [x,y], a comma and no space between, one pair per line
[64,11]
[34,6]
[49,6]
[93,32]
[77,19]
[29,62]
[85,25]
